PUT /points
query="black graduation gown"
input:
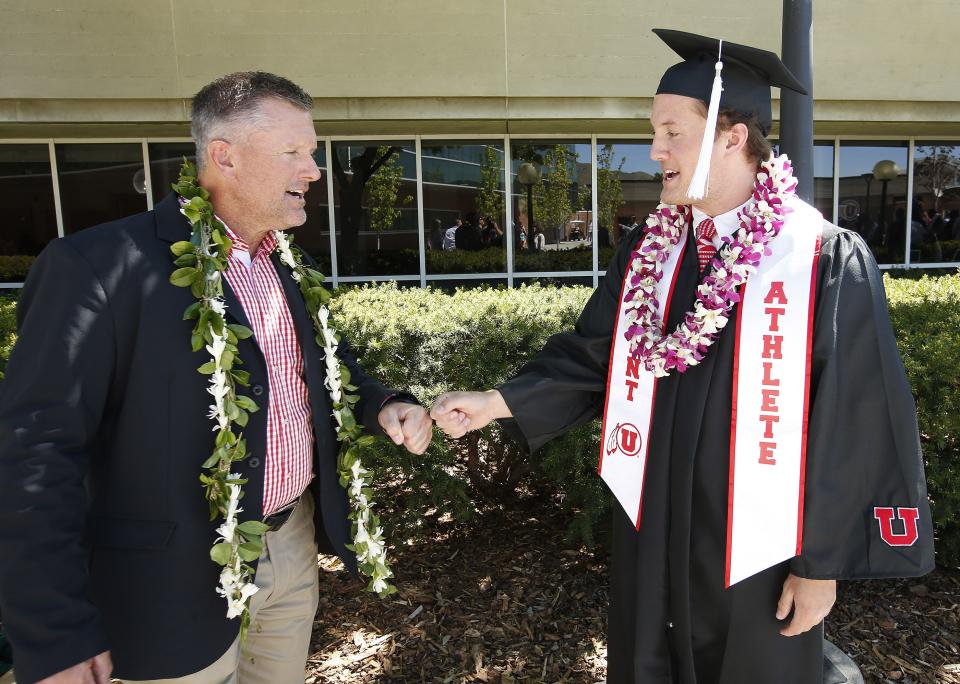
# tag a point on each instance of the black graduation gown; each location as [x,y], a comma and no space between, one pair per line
[671,619]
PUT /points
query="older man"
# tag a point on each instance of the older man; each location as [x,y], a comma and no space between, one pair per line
[104,531]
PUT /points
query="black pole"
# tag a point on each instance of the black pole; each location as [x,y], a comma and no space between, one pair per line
[796,110]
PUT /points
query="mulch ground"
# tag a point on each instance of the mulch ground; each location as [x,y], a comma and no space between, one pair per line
[503,600]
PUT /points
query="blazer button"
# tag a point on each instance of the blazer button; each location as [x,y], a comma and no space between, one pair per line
[257,390]
[253,462]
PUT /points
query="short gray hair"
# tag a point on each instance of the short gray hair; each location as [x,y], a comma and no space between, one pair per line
[236,98]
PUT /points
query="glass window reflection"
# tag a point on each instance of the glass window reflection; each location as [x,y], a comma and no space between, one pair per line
[375,195]
[552,221]
[935,221]
[166,159]
[100,182]
[629,189]
[463,207]
[28,220]
[873,196]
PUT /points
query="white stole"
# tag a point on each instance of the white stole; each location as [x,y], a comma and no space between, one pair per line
[771,387]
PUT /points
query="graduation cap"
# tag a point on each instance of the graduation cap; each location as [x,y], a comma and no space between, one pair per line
[748,74]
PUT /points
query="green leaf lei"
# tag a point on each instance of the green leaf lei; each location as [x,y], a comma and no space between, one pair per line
[201,263]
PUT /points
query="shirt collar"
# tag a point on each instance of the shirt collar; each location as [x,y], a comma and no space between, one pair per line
[265,248]
[726,223]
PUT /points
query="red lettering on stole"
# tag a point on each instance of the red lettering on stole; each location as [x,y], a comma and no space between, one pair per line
[772,349]
[633,371]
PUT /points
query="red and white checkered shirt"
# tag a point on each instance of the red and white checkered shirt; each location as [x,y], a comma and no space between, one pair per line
[289,458]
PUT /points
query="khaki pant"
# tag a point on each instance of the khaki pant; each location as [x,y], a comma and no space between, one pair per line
[281,612]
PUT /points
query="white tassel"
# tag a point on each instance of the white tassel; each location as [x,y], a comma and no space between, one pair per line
[701,176]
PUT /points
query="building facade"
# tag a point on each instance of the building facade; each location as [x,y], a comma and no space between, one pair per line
[496,141]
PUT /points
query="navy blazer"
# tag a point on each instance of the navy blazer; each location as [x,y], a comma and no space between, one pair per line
[104,530]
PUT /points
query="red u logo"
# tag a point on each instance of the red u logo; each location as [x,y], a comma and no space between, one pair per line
[909,517]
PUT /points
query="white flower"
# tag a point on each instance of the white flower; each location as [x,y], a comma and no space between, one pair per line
[217,348]
[218,306]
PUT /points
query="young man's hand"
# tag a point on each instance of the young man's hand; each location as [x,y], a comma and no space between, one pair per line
[457,413]
[811,601]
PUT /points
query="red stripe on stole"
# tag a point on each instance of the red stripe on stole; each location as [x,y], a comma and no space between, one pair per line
[613,342]
[733,436]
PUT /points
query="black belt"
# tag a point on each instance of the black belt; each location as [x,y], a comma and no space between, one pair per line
[275,521]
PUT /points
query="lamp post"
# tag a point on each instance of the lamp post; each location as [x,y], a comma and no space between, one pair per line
[884,171]
[528,174]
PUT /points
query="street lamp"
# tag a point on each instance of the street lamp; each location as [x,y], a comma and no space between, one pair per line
[528,174]
[885,171]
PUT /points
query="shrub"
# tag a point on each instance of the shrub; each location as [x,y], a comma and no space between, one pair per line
[13,269]
[926,316]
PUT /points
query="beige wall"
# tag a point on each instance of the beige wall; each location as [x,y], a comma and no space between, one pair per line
[104,61]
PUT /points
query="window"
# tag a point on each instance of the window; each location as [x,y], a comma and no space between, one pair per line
[28,219]
[873,196]
[99,182]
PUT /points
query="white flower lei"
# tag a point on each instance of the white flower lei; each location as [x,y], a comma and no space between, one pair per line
[760,222]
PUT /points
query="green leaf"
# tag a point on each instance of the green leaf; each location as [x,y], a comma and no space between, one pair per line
[241,377]
[344,374]
[220,553]
[242,418]
[196,342]
[253,527]
[182,247]
[249,551]
[247,404]
[208,368]
[184,277]
[192,311]
[241,331]
[212,460]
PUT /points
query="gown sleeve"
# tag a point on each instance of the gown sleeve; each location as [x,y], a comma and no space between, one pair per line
[565,384]
[863,449]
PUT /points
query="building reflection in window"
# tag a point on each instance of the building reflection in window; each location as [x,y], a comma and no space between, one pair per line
[28,220]
[553,178]
[100,182]
[166,159]
[375,195]
[935,221]
[873,196]
[629,189]
[463,207]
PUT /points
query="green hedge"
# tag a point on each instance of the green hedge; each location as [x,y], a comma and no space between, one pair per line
[430,342]
[926,317]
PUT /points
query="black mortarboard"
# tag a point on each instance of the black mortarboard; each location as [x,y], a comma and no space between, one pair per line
[748,73]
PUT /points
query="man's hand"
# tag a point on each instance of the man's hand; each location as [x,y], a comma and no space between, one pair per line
[407,424]
[96,670]
[811,601]
[457,413]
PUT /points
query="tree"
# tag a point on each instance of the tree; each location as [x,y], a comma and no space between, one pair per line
[490,196]
[937,171]
[552,201]
[609,190]
[381,192]
[353,180]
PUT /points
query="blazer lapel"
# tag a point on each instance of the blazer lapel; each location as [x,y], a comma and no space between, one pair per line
[298,310]
[173,226]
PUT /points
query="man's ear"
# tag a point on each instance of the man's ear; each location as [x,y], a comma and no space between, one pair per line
[736,138]
[220,156]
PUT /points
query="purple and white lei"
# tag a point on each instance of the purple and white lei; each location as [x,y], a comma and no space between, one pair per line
[760,222]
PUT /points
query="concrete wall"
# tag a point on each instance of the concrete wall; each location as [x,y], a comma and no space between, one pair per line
[94,61]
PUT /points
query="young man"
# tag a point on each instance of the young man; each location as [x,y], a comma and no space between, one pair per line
[761,441]
[105,535]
